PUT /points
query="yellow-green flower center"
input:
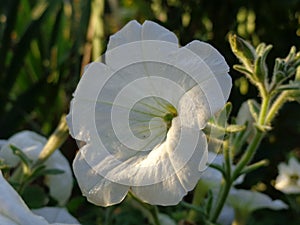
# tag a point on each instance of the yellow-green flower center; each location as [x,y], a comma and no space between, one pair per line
[169,116]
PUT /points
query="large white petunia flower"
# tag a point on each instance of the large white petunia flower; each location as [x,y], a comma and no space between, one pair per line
[31,144]
[288,180]
[13,210]
[141,116]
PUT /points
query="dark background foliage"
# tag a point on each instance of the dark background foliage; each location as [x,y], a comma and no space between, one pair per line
[45,44]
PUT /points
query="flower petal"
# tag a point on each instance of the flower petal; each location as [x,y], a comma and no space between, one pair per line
[60,185]
[13,208]
[226,216]
[6,221]
[153,31]
[2,143]
[249,201]
[29,142]
[129,33]
[136,43]
[84,101]
[96,188]
[210,56]
[194,110]
[56,215]
[32,144]
[121,117]
[133,31]
[294,165]
[217,87]
[172,189]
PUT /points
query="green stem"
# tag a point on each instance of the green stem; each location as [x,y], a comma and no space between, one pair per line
[228,160]
[249,153]
[224,191]
[279,102]
[259,134]
[58,137]
[199,194]
[264,110]
[246,158]
[153,210]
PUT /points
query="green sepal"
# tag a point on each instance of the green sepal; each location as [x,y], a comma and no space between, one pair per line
[35,196]
[209,204]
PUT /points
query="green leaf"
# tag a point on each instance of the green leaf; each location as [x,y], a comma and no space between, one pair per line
[42,171]
[242,69]
[255,166]
[52,172]
[23,45]
[193,207]
[35,196]
[254,109]
[260,69]
[209,203]
[295,85]
[218,167]
[12,8]
[23,157]
[243,50]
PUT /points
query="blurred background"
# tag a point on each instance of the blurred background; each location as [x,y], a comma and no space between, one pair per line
[44,46]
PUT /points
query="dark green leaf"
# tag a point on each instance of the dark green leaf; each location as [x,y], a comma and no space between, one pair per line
[23,157]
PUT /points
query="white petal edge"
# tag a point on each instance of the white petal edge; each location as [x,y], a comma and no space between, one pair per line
[29,142]
[134,31]
[56,215]
[174,188]
[32,144]
[129,33]
[13,207]
[60,185]
[97,189]
[251,200]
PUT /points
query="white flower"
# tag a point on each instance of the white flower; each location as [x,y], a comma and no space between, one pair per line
[56,215]
[142,113]
[31,144]
[245,116]
[288,180]
[164,219]
[212,177]
[226,216]
[2,142]
[245,202]
[13,210]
